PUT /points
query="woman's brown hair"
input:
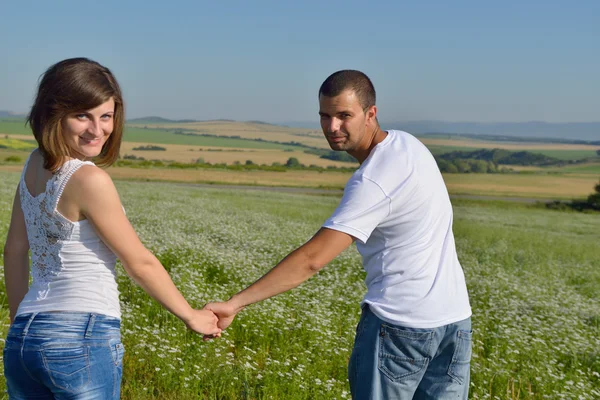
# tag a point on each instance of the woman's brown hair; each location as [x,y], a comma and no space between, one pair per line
[71,86]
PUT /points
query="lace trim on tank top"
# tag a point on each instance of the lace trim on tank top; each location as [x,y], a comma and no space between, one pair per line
[46,227]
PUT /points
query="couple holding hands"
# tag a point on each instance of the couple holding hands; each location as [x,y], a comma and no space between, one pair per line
[413,339]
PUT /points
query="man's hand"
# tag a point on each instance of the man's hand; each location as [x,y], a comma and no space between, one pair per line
[225,311]
[204,322]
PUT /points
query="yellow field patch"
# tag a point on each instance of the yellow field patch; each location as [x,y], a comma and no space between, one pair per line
[262,178]
[564,186]
[481,144]
[510,185]
[228,155]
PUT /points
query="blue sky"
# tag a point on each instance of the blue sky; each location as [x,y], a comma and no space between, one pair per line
[264,60]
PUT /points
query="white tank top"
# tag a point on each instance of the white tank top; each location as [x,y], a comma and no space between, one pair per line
[72,269]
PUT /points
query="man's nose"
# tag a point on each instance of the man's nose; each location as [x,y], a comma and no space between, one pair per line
[334,124]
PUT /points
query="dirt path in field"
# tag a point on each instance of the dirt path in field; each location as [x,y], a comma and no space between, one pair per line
[303,190]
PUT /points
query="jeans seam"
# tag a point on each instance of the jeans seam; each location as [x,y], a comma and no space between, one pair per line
[359,334]
[460,340]
[114,373]
[22,361]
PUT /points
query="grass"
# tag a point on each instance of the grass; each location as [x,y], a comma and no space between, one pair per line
[533,277]
[9,126]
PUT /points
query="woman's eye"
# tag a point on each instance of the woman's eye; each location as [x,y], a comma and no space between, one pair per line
[81,116]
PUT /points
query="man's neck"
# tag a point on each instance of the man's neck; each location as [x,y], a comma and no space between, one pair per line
[376,137]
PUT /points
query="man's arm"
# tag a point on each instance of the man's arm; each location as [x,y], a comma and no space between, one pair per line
[16,259]
[294,269]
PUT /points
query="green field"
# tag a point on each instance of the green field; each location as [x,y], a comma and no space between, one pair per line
[165,137]
[533,277]
[568,154]
[591,168]
[14,126]
[439,150]
[559,154]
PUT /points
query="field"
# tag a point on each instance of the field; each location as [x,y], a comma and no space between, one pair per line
[246,130]
[525,185]
[226,131]
[566,182]
[228,155]
[533,277]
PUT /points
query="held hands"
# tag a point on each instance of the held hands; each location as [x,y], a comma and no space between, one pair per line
[225,312]
[204,322]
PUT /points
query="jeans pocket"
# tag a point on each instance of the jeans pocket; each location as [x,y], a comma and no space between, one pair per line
[118,351]
[403,352]
[461,359]
[68,366]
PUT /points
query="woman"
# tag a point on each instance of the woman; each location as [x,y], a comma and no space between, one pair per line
[64,340]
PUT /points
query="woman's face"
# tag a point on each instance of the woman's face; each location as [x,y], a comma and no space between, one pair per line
[86,132]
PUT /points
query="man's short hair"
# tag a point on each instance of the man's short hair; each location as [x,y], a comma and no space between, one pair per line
[349,79]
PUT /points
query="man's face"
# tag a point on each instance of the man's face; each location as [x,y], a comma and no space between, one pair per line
[343,121]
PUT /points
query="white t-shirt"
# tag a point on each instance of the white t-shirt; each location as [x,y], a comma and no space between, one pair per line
[397,207]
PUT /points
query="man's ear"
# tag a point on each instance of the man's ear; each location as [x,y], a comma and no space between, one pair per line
[372,114]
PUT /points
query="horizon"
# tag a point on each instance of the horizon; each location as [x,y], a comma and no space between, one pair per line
[473,62]
[13,114]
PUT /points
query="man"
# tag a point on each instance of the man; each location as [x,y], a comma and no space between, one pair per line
[414,336]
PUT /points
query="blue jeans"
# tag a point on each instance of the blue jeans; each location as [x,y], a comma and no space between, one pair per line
[394,362]
[63,355]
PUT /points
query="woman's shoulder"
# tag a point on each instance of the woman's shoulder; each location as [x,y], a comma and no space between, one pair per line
[89,184]
[35,157]
[91,176]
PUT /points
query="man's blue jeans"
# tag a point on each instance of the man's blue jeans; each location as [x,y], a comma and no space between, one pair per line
[394,362]
[60,355]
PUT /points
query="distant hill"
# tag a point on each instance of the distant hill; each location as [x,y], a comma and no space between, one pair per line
[157,120]
[4,113]
[161,120]
[512,139]
[588,131]
[569,130]
[261,123]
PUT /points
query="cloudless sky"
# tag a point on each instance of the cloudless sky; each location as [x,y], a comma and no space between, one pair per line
[265,60]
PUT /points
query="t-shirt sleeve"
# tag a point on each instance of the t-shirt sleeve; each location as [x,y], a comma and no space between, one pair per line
[363,206]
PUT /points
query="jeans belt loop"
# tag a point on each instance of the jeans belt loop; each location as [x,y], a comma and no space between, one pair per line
[90,326]
[29,321]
